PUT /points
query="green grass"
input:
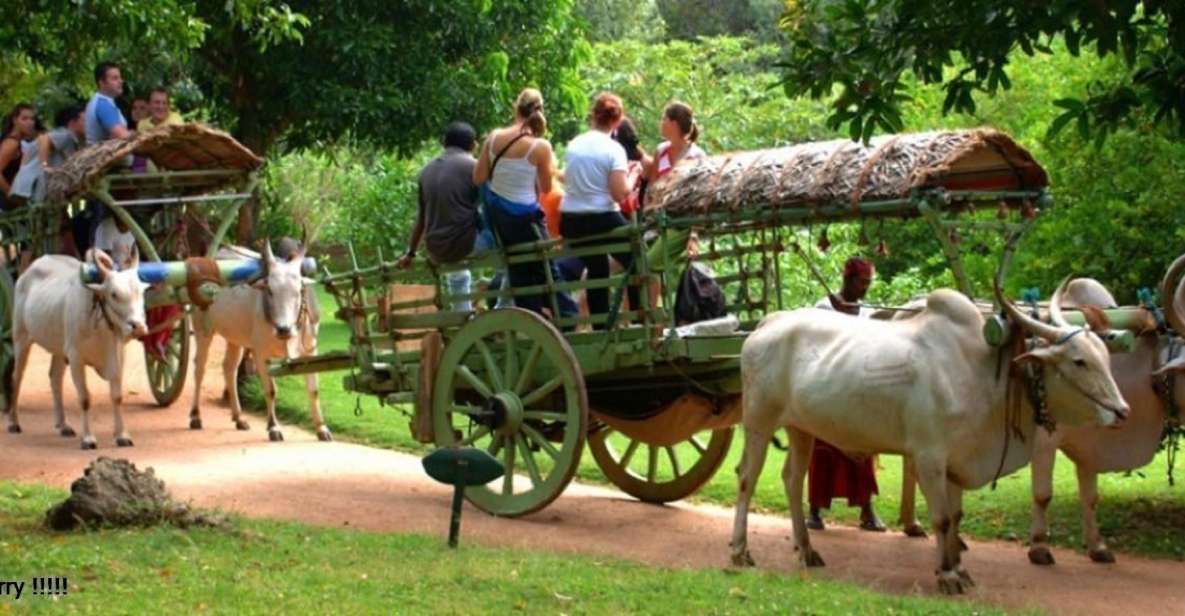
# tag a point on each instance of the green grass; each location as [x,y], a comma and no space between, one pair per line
[1139,513]
[267,567]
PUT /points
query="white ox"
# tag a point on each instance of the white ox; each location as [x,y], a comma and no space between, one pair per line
[1093,449]
[925,387]
[79,325]
[276,317]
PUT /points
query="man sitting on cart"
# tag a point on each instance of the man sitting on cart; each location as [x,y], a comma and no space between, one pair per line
[447,217]
[833,474]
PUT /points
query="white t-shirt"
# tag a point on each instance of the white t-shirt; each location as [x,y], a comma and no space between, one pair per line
[118,245]
[589,160]
[825,304]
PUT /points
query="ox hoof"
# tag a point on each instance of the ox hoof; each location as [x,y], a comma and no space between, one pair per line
[743,559]
[66,431]
[325,436]
[1040,555]
[124,441]
[14,428]
[950,583]
[275,436]
[195,423]
[241,424]
[1102,556]
[914,530]
[966,578]
[89,445]
[810,558]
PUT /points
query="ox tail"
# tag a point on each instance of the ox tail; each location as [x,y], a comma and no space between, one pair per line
[778,444]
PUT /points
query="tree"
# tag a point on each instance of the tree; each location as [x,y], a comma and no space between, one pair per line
[688,19]
[306,72]
[617,20]
[866,48]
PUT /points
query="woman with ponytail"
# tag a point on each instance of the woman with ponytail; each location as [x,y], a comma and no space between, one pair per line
[680,130]
[513,168]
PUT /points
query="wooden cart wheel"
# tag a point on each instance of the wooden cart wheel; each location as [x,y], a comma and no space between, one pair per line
[7,288]
[659,474]
[167,377]
[509,383]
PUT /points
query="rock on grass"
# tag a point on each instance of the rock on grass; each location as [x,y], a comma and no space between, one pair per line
[114,493]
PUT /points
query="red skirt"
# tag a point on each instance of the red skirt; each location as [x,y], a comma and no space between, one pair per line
[156,343]
[834,475]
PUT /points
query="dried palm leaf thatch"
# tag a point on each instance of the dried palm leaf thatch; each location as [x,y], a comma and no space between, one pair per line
[842,171]
[185,147]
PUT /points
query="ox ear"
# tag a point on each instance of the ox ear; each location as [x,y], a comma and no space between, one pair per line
[1041,354]
[1177,365]
[260,283]
[102,262]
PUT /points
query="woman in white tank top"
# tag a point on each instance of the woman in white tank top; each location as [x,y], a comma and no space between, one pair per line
[514,168]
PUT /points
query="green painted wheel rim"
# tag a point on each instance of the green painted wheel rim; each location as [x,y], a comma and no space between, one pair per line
[6,351]
[659,474]
[167,378]
[500,359]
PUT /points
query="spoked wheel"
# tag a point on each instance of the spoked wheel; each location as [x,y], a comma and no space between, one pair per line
[7,288]
[166,376]
[659,473]
[509,383]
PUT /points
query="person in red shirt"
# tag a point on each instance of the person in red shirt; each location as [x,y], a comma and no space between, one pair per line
[832,474]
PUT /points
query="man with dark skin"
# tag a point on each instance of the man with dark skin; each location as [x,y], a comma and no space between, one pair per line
[833,474]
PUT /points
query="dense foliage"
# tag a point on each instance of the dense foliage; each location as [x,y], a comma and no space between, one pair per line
[870,49]
[1117,214]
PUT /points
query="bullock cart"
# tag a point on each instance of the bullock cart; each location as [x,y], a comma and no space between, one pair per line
[189,194]
[655,403]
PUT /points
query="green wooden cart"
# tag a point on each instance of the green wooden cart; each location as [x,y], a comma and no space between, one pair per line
[655,404]
[198,176]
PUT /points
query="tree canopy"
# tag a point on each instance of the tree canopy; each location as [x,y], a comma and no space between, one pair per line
[867,48]
[314,71]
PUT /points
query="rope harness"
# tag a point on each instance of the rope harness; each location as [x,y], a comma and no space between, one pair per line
[1030,376]
[1164,386]
[100,304]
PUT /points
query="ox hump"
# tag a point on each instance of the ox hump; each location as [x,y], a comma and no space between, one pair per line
[1089,292]
[954,306]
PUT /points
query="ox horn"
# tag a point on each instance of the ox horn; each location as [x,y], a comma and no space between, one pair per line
[1055,304]
[1036,327]
[268,257]
[1168,298]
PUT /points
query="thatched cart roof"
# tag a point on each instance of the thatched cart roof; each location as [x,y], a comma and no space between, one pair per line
[845,171]
[186,147]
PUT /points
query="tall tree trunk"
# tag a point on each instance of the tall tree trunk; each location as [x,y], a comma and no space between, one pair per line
[257,138]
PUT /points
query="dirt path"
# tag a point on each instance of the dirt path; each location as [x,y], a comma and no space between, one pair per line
[345,485]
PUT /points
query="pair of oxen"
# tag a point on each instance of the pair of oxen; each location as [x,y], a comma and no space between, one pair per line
[928,386]
[83,325]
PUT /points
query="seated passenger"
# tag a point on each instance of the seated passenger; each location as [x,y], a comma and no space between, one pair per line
[447,217]
[20,125]
[160,112]
[679,128]
[49,151]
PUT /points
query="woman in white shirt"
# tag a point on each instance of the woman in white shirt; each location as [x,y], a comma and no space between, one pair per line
[595,182]
[515,167]
[680,130]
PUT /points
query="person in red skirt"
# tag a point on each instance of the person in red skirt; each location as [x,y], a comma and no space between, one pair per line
[833,474]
